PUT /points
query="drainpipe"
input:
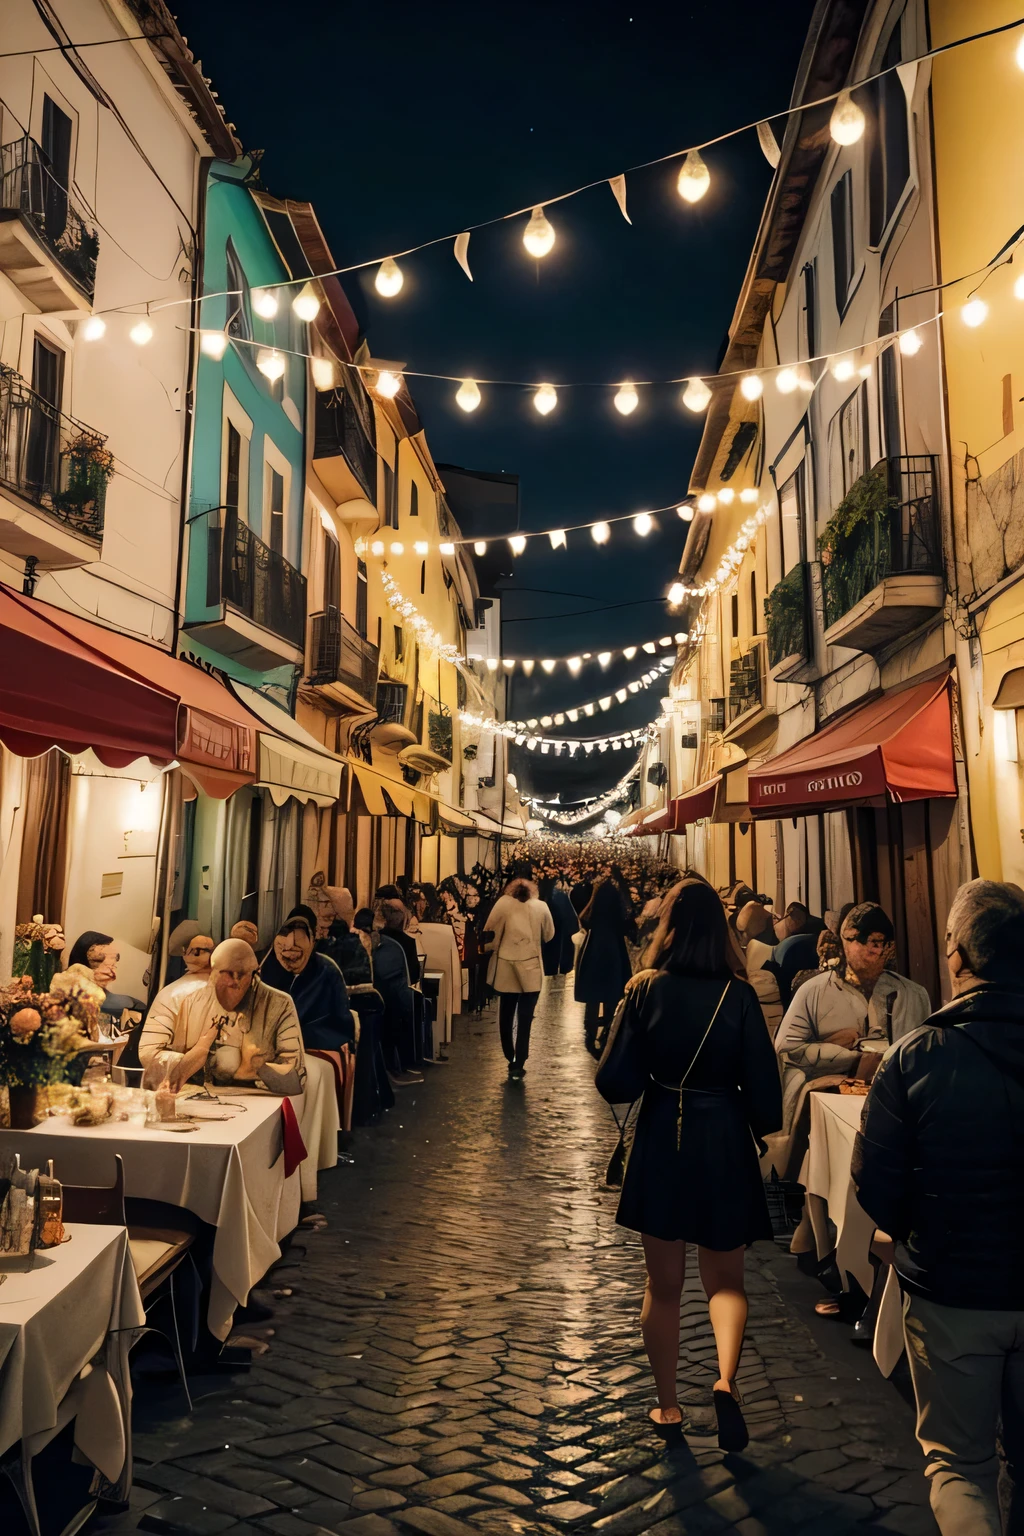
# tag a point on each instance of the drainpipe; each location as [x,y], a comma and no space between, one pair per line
[190,393]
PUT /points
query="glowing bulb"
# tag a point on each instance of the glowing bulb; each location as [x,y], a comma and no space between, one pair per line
[421,547]
[676,593]
[389,278]
[492,663]
[517,544]
[388,383]
[574,663]
[213,343]
[548,666]
[686,513]
[600,533]
[974,312]
[545,398]
[627,399]
[629,652]
[751,386]
[847,123]
[539,234]
[527,666]
[726,496]
[1019,55]
[643,523]
[480,547]
[748,494]
[377,548]
[910,343]
[604,657]
[94,328]
[1018,287]
[324,376]
[605,703]
[694,178]
[270,363]
[264,303]
[467,396]
[141,333]
[786,381]
[557,538]
[446,548]
[696,395]
[706,503]
[843,369]
[306,303]
[398,548]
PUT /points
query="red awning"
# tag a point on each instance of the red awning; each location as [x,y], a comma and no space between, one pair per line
[202,724]
[697,804]
[899,745]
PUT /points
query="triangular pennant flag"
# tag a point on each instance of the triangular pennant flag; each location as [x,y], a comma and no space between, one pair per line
[769,144]
[462,252]
[908,78]
[618,186]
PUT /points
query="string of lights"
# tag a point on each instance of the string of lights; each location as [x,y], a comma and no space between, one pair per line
[587,808]
[515,727]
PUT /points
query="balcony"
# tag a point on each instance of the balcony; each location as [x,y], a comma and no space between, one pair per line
[343,665]
[786,611]
[344,454]
[48,247]
[434,731]
[390,733]
[255,601]
[881,556]
[53,480]
[746,715]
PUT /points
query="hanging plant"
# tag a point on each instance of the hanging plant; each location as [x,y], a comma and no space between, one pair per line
[87,467]
[866,504]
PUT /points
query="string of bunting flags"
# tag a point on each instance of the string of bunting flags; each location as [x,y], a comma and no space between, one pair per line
[587,808]
[521,727]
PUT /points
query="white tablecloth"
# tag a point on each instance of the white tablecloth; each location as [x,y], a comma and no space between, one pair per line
[319,1122]
[230,1173]
[835,1121]
[442,953]
[58,1311]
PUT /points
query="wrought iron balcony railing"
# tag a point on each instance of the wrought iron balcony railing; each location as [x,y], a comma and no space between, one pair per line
[745,684]
[340,429]
[390,702]
[786,612]
[51,459]
[339,654]
[253,578]
[29,187]
[896,533]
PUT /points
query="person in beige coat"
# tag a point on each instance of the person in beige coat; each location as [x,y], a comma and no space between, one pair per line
[521,924]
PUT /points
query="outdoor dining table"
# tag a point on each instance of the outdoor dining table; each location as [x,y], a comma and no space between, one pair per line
[228,1172]
[827,1178]
[63,1310]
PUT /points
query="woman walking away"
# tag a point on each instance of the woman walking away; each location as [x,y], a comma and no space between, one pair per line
[692,1041]
[521,924]
[560,953]
[603,967]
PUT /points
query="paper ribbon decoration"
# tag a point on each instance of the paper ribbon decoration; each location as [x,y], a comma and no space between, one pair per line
[769,144]
[462,253]
[618,186]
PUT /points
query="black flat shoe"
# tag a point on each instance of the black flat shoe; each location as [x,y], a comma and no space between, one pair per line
[732,1427]
[671,1432]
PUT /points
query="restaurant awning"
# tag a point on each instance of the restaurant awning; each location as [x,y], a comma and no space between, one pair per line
[1010,693]
[383,796]
[898,746]
[452,820]
[291,761]
[696,805]
[488,826]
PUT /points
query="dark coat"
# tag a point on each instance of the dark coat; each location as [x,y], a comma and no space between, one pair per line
[559,953]
[603,967]
[321,1001]
[939,1164]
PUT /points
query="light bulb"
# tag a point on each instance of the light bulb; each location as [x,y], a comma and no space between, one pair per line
[974,312]
[694,178]
[388,383]
[517,544]
[480,547]
[847,123]
[1019,55]
[696,395]
[446,547]
[264,303]
[843,369]
[751,386]
[557,538]
[1018,287]
[467,396]
[605,703]
[306,303]
[492,663]
[600,533]
[676,593]
[786,380]
[398,548]
[389,278]
[643,523]
[324,375]
[547,666]
[686,513]
[707,502]
[910,343]
[421,547]
[141,333]
[748,494]
[270,363]
[94,328]
[213,343]
[377,548]
[539,234]
[527,665]
[574,663]
[627,399]
[545,398]
[726,496]
[604,658]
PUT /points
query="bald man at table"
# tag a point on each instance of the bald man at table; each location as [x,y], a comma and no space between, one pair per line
[247,1032]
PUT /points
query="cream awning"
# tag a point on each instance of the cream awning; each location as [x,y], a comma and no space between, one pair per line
[291,761]
[374,786]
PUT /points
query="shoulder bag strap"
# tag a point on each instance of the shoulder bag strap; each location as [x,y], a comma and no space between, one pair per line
[693,1060]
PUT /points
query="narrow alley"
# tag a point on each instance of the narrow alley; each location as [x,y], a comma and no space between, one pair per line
[462,1352]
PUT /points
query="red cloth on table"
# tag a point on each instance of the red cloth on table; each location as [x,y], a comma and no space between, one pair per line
[294,1146]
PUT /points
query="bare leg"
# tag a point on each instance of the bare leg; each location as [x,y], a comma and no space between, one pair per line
[721,1275]
[659,1321]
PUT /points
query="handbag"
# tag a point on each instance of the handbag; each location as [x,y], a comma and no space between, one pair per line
[622,1075]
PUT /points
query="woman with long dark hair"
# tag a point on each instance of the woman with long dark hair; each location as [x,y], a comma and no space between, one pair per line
[693,1035]
[603,968]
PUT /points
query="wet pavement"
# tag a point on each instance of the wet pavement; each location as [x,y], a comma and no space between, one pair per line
[462,1354]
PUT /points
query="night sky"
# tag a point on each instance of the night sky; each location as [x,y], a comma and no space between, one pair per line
[401,122]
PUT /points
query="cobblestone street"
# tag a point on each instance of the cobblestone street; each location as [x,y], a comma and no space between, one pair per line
[462,1353]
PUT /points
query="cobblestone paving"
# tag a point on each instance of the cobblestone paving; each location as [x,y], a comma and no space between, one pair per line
[462,1354]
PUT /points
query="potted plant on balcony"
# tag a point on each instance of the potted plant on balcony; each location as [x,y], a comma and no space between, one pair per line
[88,466]
[855,543]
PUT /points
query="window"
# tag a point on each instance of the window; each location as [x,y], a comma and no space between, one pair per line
[239,311]
[735,616]
[889,153]
[390,495]
[423,576]
[361,597]
[236,434]
[332,571]
[56,148]
[399,642]
[753,602]
[842,239]
[808,342]
[414,500]
[852,430]
[42,446]
[889,402]
[791,521]
[273,528]
[233,468]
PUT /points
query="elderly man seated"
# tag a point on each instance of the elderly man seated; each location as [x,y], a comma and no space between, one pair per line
[235,1028]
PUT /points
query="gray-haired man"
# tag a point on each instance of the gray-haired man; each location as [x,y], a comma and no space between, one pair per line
[940,1167]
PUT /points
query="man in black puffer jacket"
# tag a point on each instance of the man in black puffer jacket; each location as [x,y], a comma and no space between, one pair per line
[939,1166]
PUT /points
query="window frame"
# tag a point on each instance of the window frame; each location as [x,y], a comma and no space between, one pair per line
[890,105]
[238,323]
[274,462]
[233,414]
[841,198]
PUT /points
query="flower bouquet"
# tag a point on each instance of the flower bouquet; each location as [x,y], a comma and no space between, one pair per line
[42,1035]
